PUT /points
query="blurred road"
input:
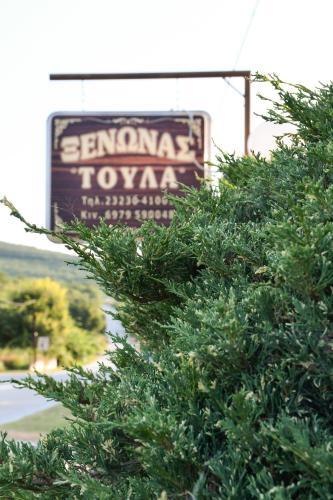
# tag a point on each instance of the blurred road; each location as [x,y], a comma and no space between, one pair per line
[17,403]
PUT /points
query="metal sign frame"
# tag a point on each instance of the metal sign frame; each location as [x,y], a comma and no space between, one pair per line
[175,74]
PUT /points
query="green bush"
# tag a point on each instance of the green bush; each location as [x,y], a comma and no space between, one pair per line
[231,395]
[15,359]
[16,363]
[82,346]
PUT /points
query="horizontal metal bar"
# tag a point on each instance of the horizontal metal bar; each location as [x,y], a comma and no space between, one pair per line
[142,76]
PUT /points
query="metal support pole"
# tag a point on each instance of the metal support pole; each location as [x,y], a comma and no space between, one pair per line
[247,114]
[35,337]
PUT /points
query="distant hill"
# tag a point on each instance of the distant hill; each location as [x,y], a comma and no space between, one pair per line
[23,261]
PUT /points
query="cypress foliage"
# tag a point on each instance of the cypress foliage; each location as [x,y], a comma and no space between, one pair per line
[231,394]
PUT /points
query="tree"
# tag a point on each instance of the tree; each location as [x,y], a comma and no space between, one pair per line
[231,393]
[85,307]
[43,306]
[35,305]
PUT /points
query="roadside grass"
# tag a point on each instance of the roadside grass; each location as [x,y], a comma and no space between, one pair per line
[31,428]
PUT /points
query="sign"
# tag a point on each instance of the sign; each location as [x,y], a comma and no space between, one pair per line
[43,344]
[119,166]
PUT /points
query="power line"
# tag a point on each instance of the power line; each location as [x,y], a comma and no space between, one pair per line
[228,82]
[254,10]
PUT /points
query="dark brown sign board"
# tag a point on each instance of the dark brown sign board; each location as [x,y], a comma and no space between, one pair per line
[118,166]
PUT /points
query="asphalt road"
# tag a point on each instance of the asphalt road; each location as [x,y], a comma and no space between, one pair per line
[17,403]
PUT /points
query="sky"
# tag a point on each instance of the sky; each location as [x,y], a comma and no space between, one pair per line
[291,38]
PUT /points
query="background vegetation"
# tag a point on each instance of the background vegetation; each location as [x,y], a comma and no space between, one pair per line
[69,312]
[19,261]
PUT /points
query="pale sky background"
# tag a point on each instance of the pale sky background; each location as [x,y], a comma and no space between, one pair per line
[292,38]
